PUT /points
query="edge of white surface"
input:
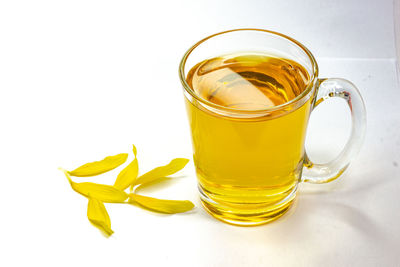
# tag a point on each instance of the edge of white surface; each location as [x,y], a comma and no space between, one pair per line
[396,18]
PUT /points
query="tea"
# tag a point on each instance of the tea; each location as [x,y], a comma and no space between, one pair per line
[248,81]
[248,165]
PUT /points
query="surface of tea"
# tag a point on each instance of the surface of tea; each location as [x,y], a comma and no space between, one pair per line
[248,81]
[248,169]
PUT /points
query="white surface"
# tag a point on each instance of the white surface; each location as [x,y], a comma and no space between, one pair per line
[396,14]
[80,80]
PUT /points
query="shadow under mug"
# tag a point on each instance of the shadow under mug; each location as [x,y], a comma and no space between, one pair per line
[249,162]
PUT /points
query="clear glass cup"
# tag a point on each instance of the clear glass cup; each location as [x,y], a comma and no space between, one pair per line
[249,162]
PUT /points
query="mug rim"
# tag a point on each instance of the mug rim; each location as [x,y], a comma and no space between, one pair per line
[309,87]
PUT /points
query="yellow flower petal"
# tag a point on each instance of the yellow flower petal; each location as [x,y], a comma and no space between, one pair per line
[134,150]
[102,192]
[99,167]
[128,175]
[161,205]
[174,166]
[98,216]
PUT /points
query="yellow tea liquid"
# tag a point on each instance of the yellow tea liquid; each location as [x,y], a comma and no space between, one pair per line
[248,167]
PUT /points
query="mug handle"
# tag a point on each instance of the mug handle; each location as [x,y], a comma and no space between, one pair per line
[335,87]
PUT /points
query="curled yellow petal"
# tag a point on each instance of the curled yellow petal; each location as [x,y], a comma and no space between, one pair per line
[99,167]
[128,174]
[134,150]
[98,216]
[174,166]
[102,192]
[161,205]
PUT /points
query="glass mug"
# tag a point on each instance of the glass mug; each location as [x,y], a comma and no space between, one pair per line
[249,94]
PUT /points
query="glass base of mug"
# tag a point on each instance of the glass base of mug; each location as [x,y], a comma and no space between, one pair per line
[247,216]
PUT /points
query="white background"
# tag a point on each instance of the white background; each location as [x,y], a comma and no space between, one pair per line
[80,80]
